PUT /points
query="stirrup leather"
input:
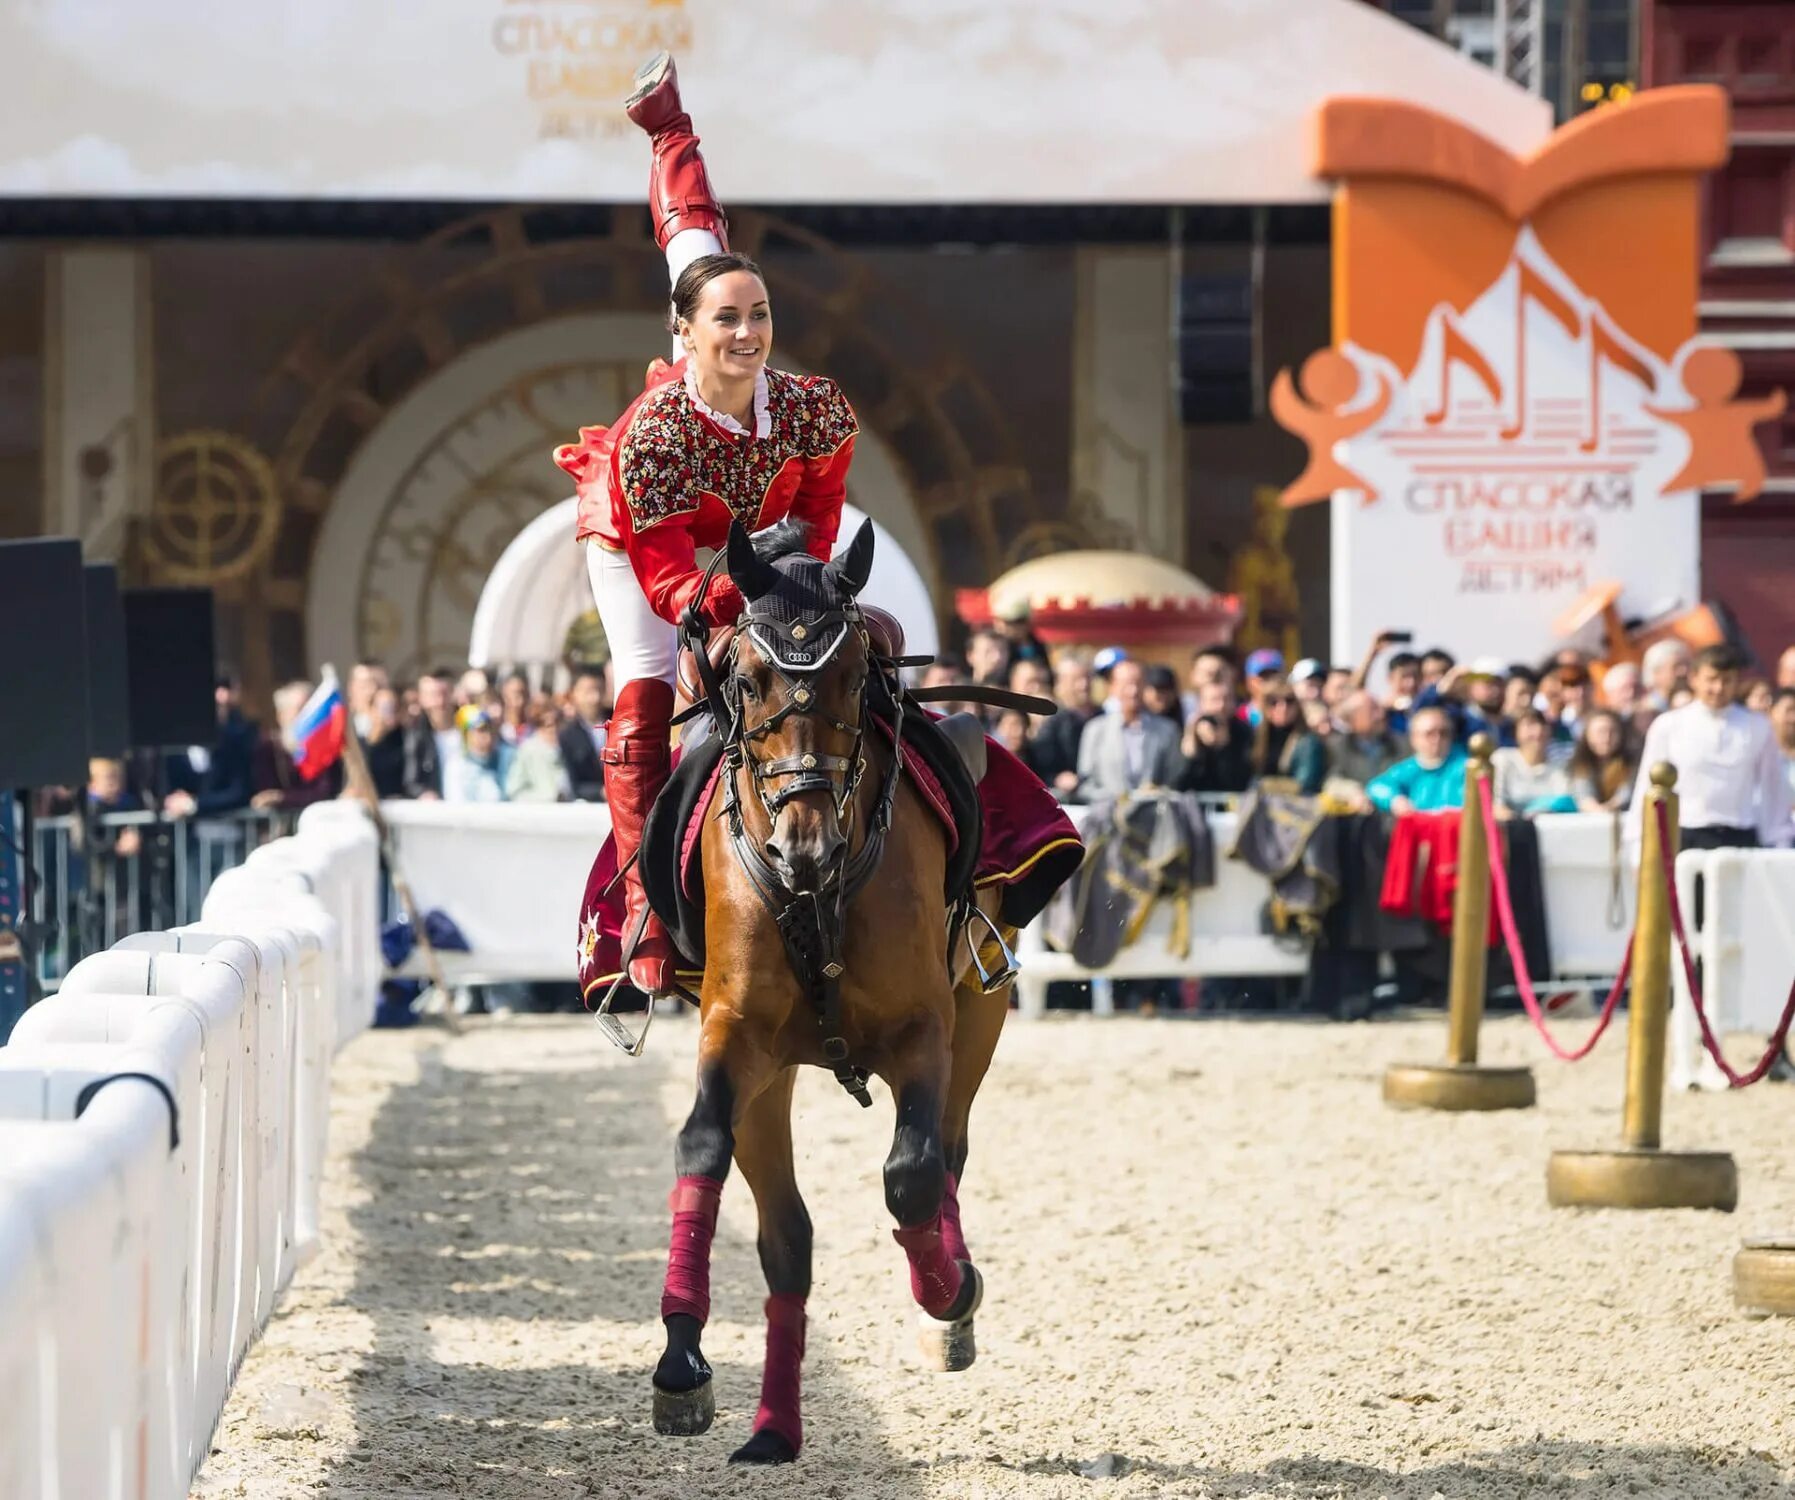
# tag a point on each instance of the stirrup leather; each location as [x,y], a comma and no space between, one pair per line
[1006,970]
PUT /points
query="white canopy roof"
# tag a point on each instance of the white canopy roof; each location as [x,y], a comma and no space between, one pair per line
[816,101]
[538,588]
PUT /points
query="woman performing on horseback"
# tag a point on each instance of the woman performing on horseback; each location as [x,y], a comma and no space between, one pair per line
[850,832]
[716,437]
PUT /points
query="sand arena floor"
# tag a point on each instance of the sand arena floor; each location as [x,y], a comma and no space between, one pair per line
[1216,1264]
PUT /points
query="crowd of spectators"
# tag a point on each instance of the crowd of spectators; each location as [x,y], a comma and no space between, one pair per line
[1389,732]
[1393,730]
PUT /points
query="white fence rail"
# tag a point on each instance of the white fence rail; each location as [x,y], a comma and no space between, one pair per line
[162,1133]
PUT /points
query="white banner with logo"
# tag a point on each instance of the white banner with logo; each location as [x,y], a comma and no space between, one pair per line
[807,101]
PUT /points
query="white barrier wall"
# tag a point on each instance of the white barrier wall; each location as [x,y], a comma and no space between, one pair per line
[162,1136]
[1744,986]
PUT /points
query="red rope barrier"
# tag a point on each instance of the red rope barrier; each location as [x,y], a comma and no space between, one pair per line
[1505,916]
[1777,1038]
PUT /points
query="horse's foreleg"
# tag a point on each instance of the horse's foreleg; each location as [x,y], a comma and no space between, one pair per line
[728,1077]
[945,1286]
[763,1149]
[979,1021]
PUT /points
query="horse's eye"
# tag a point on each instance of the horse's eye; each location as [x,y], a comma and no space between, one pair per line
[747,687]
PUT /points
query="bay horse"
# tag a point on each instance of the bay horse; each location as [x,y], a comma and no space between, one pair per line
[828,944]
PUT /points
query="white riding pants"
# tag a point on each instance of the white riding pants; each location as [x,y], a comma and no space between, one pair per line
[642,643]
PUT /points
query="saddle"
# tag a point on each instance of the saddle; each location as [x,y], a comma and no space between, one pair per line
[943,758]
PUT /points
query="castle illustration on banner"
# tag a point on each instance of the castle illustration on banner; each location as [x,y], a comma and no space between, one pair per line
[1532,399]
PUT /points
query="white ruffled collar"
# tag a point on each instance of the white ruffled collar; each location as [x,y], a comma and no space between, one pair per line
[763,420]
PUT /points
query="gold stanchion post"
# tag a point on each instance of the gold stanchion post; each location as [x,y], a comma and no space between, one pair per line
[1641,1174]
[1461,1082]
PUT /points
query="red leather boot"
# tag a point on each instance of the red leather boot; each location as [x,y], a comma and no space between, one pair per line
[637,758]
[679,190]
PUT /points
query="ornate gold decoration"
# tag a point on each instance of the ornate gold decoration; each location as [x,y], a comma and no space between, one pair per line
[216,510]
[1264,578]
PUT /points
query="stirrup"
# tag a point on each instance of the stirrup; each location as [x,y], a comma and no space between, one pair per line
[612,1025]
[1007,970]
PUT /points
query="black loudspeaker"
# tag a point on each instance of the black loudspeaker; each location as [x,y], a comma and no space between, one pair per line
[170,669]
[108,705]
[43,664]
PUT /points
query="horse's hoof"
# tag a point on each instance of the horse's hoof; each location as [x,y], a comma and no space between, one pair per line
[947,1344]
[765,1447]
[684,1413]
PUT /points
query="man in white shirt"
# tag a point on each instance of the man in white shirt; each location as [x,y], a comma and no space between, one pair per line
[1732,786]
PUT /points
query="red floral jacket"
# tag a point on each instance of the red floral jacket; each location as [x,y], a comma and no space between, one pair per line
[666,479]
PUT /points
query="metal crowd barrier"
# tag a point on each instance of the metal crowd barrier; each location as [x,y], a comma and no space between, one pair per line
[88,897]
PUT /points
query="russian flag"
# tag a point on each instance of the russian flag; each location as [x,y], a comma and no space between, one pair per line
[315,737]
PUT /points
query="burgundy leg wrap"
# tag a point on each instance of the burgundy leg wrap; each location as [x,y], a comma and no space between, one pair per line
[952,1240]
[779,1403]
[687,1289]
[934,1277]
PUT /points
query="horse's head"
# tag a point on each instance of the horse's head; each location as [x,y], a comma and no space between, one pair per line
[799,670]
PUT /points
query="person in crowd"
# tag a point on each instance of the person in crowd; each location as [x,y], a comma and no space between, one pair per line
[481,770]
[536,773]
[515,724]
[1785,669]
[1129,747]
[1013,620]
[1261,668]
[1732,779]
[1601,769]
[1402,675]
[1032,676]
[1336,687]
[988,656]
[1217,744]
[1575,690]
[1559,692]
[1526,780]
[1485,687]
[1430,779]
[1012,732]
[107,793]
[1665,668]
[1519,690]
[1306,680]
[1056,739]
[436,697]
[366,678]
[211,782]
[1782,722]
[1363,748]
[582,735]
[384,744]
[1757,695]
[1208,664]
[1436,662]
[948,670]
[1283,744]
[1623,689]
[1104,663]
[1682,695]
[1160,692]
[278,784]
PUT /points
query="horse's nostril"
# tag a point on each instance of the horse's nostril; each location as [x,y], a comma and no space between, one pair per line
[774,852]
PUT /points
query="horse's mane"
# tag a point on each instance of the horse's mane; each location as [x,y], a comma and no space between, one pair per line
[787,538]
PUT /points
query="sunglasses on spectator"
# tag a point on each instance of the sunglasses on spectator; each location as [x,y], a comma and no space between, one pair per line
[1279,702]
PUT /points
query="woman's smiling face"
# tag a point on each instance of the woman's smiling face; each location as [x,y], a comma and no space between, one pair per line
[731,334]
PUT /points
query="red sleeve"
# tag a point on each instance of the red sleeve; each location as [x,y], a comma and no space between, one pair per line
[666,564]
[820,496]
